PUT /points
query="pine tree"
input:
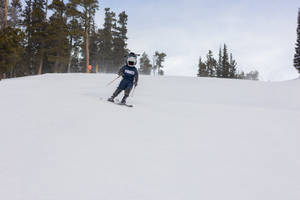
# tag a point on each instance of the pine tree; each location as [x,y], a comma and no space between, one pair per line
[38,34]
[14,13]
[28,28]
[202,69]
[76,61]
[232,67]
[252,75]
[119,40]
[86,10]
[297,49]
[2,4]
[57,41]
[211,64]
[94,46]
[89,10]
[225,63]
[106,43]
[14,21]
[11,48]
[240,75]
[4,9]
[44,25]
[75,34]
[145,65]
[219,67]
[160,58]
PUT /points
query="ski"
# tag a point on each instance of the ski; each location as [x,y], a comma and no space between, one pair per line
[122,104]
[117,102]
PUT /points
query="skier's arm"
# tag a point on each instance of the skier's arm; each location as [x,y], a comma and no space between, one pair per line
[136,78]
[121,71]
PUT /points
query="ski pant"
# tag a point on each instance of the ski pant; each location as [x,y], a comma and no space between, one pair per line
[124,85]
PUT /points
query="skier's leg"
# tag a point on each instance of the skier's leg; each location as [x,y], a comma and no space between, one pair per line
[116,93]
[121,87]
[126,94]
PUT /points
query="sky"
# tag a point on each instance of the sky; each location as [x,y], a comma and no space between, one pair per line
[261,34]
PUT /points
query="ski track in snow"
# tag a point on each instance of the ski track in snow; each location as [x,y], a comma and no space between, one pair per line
[184,139]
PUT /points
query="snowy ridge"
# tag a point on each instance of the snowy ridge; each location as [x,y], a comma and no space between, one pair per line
[185,139]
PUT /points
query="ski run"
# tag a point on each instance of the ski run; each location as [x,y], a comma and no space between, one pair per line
[185,139]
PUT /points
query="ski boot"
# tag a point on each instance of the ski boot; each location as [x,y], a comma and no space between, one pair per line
[116,93]
[111,99]
[123,101]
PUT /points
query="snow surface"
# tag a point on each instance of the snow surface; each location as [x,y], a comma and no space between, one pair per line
[185,139]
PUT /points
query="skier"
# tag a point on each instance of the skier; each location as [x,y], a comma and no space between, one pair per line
[130,78]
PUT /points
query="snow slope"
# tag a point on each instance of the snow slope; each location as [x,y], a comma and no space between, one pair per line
[185,139]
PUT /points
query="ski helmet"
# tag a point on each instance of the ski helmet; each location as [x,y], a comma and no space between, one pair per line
[131,60]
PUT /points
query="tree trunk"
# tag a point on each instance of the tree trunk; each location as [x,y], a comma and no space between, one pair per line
[5,14]
[69,64]
[87,49]
[41,63]
[46,9]
[40,69]
[11,73]
[55,70]
[70,57]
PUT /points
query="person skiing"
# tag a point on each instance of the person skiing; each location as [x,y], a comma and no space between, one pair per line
[130,78]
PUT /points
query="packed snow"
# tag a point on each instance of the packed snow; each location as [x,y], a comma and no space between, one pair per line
[184,139]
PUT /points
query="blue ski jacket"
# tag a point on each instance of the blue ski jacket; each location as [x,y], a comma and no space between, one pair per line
[129,74]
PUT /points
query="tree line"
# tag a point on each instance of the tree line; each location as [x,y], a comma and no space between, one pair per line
[224,67]
[61,36]
[34,42]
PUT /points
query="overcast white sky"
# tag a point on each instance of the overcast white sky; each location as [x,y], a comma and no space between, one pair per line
[261,34]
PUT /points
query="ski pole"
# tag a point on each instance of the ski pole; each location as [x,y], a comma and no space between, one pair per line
[112,81]
[133,91]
